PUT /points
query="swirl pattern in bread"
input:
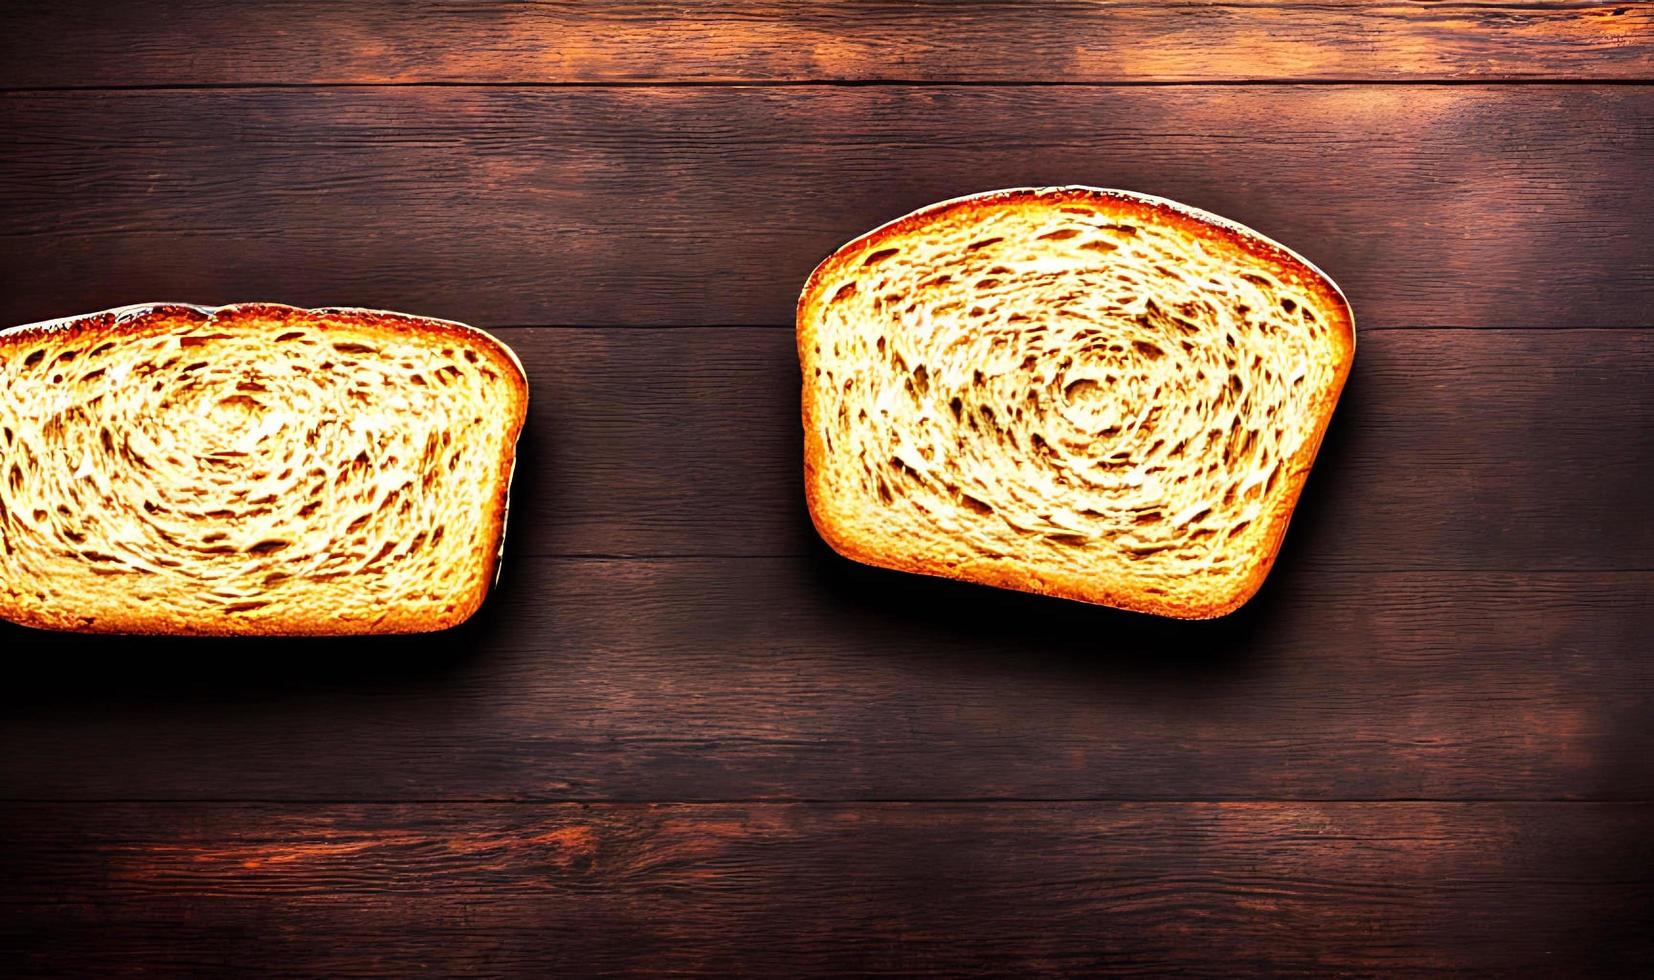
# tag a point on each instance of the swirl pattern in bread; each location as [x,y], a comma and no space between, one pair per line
[255,469]
[1072,391]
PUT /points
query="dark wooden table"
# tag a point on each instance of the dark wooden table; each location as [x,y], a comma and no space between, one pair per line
[684,736]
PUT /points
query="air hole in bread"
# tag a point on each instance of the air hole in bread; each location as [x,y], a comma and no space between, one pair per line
[1078,389]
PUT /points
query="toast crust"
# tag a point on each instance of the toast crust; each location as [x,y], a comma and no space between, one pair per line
[141,319]
[1127,205]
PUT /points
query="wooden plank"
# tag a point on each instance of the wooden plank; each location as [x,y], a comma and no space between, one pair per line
[80,42]
[1457,449]
[1433,206]
[811,678]
[1185,889]
[1451,449]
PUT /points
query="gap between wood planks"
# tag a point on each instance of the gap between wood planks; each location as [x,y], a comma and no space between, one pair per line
[827,802]
[1421,570]
[1385,328]
[829,83]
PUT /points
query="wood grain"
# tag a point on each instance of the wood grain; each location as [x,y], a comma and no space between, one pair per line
[1450,449]
[1433,206]
[1214,890]
[811,678]
[195,42]
[1462,611]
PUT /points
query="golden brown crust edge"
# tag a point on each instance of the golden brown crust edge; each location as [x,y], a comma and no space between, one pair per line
[121,320]
[1282,260]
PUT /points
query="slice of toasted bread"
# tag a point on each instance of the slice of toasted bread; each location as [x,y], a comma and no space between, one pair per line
[1073,391]
[253,469]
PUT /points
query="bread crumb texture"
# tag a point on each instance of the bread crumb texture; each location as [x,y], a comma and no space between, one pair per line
[1071,391]
[254,469]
